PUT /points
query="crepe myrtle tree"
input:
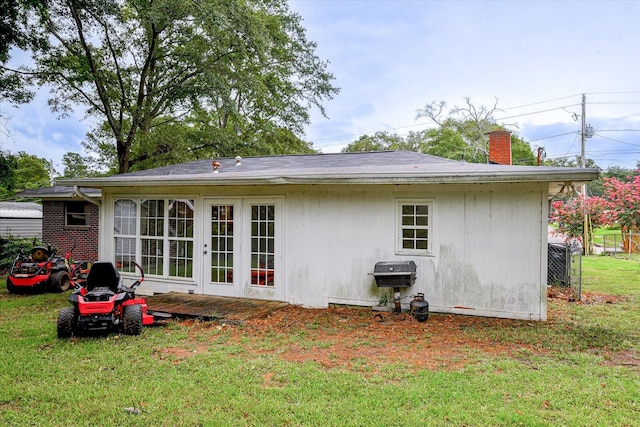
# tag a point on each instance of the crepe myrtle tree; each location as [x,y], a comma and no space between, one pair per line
[618,207]
[569,214]
[622,208]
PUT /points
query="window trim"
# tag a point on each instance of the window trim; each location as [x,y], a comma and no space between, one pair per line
[166,238]
[400,250]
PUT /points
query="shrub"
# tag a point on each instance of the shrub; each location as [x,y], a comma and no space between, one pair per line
[9,248]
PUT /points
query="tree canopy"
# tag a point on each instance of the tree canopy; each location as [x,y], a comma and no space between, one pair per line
[21,171]
[14,34]
[173,80]
[462,133]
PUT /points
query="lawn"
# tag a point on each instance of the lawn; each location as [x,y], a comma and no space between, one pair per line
[336,367]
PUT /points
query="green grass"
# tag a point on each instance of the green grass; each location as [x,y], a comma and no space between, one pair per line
[611,275]
[568,379]
[600,232]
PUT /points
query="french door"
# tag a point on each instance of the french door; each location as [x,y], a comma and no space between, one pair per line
[243,249]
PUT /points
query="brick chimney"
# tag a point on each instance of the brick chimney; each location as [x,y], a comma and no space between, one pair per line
[500,147]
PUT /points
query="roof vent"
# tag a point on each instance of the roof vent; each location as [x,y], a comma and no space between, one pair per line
[216,166]
[238,161]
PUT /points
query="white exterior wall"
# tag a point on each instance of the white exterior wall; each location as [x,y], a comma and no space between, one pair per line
[489,248]
[489,244]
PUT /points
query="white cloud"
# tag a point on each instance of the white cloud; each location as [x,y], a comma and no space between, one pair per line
[390,58]
[395,57]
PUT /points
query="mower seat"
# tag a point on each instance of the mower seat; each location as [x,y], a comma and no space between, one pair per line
[103,275]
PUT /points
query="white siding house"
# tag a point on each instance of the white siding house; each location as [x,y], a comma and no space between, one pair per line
[20,219]
[309,229]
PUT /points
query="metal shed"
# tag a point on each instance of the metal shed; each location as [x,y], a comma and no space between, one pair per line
[20,219]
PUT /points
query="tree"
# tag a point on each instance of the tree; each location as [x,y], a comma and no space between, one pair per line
[8,166]
[443,141]
[521,152]
[78,166]
[570,162]
[472,123]
[622,204]
[13,33]
[380,141]
[596,187]
[146,68]
[569,214]
[21,171]
[32,172]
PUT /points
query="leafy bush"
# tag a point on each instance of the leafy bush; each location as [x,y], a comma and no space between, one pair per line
[9,248]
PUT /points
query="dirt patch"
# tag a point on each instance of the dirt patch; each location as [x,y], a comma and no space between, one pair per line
[596,298]
[359,339]
[623,358]
[569,294]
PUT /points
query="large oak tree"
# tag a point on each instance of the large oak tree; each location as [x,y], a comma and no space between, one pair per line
[187,77]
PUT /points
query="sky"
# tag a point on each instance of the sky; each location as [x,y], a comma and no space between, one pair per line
[391,58]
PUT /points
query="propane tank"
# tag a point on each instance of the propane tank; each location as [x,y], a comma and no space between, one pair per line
[419,308]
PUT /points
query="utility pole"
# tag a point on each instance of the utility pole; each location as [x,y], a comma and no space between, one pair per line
[583,164]
[583,132]
[51,173]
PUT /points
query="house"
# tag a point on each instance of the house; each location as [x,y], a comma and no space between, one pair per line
[309,229]
[20,219]
[69,217]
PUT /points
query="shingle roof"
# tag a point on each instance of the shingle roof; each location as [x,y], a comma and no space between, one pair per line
[56,192]
[383,167]
[20,210]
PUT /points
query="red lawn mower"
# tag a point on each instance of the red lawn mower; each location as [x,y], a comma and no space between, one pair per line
[40,269]
[104,304]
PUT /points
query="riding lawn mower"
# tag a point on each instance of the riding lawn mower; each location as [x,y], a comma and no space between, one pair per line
[105,304]
[40,269]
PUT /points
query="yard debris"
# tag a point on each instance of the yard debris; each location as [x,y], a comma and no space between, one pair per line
[133,410]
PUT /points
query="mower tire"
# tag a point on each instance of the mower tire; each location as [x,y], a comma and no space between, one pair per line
[10,286]
[132,319]
[60,281]
[66,322]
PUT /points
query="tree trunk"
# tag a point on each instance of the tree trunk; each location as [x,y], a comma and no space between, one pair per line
[631,243]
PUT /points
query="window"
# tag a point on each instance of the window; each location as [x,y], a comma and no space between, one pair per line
[222,243]
[180,214]
[262,245]
[77,214]
[414,227]
[158,234]
[151,235]
[125,231]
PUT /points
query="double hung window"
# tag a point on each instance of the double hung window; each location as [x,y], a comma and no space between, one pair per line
[414,227]
[157,234]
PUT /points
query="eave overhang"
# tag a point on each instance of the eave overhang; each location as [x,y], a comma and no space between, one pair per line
[574,176]
[366,168]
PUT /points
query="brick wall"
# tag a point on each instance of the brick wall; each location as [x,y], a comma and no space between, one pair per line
[55,233]
[500,147]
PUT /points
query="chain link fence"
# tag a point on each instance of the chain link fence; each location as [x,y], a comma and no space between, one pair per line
[564,268]
[620,245]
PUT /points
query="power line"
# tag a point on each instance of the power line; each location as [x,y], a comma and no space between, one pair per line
[540,102]
[537,112]
[396,128]
[552,136]
[617,140]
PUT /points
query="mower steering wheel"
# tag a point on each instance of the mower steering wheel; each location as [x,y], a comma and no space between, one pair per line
[141,272]
[137,282]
